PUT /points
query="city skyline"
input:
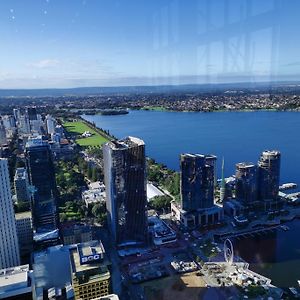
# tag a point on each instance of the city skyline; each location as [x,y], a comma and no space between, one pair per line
[52,44]
[116,117]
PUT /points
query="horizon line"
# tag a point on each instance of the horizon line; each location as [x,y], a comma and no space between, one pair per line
[155,85]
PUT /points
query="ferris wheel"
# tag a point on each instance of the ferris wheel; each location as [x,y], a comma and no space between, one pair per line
[228,251]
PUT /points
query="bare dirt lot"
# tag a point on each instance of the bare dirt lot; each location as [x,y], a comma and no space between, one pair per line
[179,287]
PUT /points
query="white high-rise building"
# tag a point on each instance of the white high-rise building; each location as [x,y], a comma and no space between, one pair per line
[50,123]
[24,125]
[3,139]
[17,114]
[9,246]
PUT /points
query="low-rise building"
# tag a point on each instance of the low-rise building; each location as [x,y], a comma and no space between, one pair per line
[153,191]
[15,283]
[160,231]
[197,218]
[76,233]
[233,208]
[90,275]
[95,194]
[52,273]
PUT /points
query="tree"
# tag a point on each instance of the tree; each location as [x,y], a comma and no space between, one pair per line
[99,212]
[63,217]
[161,203]
[94,175]
[89,172]
[172,184]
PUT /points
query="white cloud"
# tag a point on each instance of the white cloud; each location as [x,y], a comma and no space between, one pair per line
[44,63]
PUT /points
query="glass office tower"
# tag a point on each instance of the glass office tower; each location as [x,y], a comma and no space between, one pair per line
[197,182]
[125,181]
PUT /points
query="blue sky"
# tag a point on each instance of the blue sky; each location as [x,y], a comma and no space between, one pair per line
[70,43]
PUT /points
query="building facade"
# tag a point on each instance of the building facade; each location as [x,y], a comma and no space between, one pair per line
[21,184]
[76,233]
[50,124]
[3,139]
[211,160]
[24,231]
[17,114]
[23,124]
[90,275]
[9,246]
[269,175]
[125,182]
[196,182]
[31,113]
[42,177]
[246,182]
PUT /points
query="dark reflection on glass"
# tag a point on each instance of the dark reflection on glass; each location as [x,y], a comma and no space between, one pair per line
[275,255]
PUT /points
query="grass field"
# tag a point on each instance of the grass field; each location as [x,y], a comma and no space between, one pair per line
[79,128]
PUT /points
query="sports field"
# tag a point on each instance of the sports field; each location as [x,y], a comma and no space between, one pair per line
[79,128]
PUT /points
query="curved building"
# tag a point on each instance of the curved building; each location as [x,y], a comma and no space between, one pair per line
[246,182]
[269,175]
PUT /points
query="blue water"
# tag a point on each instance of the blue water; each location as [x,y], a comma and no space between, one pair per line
[236,136]
[276,256]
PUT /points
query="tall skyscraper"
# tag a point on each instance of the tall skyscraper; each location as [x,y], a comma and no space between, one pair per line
[31,113]
[125,181]
[9,246]
[24,124]
[197,182]
[42,177]
[17,114]
[269,175]
[50,123]
[246,182]
[211,160]
[223,184]
[3,140]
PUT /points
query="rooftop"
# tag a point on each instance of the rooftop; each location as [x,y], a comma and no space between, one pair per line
[46,235]
[13,276]
[125,143]
[189,155]
[271,153]
[97,185]
[23,215]
[160,229]
[108,297]
[245,165]
[88,256]
[35,142]
[93,196]
[153,191]
[20,173]
[52,267]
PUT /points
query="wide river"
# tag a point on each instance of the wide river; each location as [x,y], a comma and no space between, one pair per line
[236,136]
